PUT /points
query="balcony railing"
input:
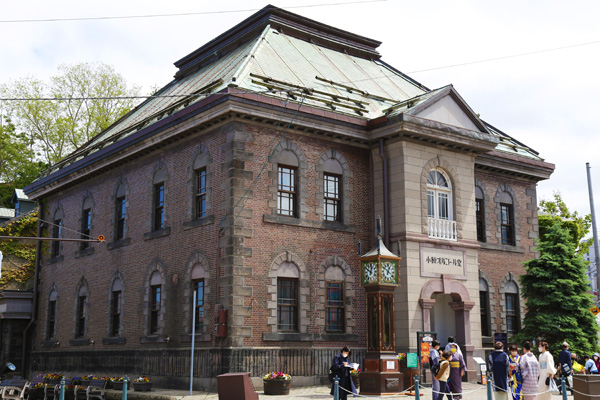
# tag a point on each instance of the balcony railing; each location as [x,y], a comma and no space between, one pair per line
[442,229]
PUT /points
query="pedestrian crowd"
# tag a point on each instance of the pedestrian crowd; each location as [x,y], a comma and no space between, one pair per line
[514,376]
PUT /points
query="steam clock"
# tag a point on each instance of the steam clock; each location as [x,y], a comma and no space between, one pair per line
[379,277]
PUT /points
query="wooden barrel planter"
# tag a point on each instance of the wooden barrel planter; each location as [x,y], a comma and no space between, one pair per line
[277,387]
[356,381]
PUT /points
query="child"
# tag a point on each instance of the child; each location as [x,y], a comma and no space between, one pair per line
[444,374]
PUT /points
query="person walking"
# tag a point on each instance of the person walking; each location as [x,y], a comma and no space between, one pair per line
[547,372]
[500,366]
[341,368]
[457,370]
[451,342]
[515,379]
[444,375]
[590,366]
[434,361]
[565,363]
[530,371]
[596,359]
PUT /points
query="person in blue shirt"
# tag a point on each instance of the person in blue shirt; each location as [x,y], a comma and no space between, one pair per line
[500,367]
[434,359]
[590,366]
[566,365]
[340,369]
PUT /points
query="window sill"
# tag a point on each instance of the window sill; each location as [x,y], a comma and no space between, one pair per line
[114,340]
[210,219]
[326,225]
[154,339]
[337,337]
[200,337]
[80,342]
[50,343]
[118,243]
[287,337]
[84,252]
[501,247]
[57,259]
[157,233]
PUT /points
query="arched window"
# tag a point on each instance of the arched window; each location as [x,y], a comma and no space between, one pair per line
[511,294]
[155,302]
[51,319]
[335,305]
[198,274]
[82,311]
[116,307]
[484,307]
[57,227]
[287,297]
[480,214]
[439,195]
[158,197]
[120,219]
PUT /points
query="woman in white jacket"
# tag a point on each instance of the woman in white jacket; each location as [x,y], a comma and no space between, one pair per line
[547,370]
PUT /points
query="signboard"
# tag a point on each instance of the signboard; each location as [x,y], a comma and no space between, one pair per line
[436,261]
[483,377]
[424,341]
[412,360]
[595,310]
[501,337]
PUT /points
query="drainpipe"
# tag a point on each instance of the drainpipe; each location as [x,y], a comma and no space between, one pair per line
[386,214]
[36,279]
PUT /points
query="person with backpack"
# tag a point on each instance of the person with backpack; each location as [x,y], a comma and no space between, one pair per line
[565,365]
[434,365]
[341,368]
[443,375]
[500,367]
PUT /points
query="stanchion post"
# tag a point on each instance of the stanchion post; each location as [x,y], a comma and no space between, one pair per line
[125,382]
[417,395]
[62,389]
[563,383]
[336,388]
[489,389]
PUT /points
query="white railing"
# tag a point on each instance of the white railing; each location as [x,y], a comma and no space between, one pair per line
[442,229]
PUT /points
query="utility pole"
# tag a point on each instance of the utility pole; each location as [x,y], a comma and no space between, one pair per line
[594,232]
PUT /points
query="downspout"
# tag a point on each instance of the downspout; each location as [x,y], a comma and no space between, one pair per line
[36,279]
[386,214]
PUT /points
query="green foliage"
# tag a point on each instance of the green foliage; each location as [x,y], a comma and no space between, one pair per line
[23,226]
[56,128]
[578,226]
[556,288]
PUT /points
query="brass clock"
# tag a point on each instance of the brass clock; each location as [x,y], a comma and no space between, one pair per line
[389,272]
[369,274]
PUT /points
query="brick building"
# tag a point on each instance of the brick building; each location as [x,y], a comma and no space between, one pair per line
[250,180]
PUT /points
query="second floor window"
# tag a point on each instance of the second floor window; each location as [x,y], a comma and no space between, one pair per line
[159,206]
[86,228]
[115,311]
[512,319]
[332,197]
[201,193]
[81,314]
[287,304]
[198,285]
[120,217]
[56,233]
[506,219]
[286,190]
[51,323]
[155,292]
[334,319]
[479,220]
[439,196]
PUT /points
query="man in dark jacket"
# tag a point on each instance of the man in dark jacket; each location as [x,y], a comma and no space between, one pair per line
[499,366]
[566,365]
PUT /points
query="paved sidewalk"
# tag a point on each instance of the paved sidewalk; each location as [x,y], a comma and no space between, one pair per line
[472,392]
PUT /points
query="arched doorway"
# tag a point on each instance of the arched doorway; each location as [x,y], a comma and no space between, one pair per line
[446,306]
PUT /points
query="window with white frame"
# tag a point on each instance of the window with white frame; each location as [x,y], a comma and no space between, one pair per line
[439,195]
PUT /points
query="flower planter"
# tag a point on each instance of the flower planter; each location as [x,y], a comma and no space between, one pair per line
[277,387]
[356,381]
[36,393]
[118,385]
[142,386]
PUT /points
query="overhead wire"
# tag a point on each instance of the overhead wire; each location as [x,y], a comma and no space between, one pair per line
[183,14]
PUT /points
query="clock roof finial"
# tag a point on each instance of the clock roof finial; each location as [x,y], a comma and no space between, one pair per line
[380,249]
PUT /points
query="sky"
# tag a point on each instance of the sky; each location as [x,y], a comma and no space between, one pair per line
[547,99]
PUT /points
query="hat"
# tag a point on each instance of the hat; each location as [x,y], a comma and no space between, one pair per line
[565,344]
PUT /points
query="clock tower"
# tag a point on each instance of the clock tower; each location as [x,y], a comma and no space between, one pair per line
[380,277]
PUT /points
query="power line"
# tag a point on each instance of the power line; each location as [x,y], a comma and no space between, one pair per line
[181,14]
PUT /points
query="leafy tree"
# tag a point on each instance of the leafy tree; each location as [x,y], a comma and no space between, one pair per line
[577,225]
[89,98]
[22,272]
[556,288]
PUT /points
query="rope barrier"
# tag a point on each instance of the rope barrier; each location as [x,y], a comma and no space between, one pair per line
[452,393]
[390,394]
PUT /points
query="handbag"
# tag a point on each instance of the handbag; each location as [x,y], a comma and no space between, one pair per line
[548,381]
[552,387]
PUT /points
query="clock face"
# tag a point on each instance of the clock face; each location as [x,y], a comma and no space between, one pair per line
[388,272]
[370,272]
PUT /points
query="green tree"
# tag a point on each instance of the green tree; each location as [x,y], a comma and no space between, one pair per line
[556,288]
[23,271]
[89,98]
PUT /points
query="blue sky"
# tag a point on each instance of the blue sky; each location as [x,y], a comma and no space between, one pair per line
[548,100]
